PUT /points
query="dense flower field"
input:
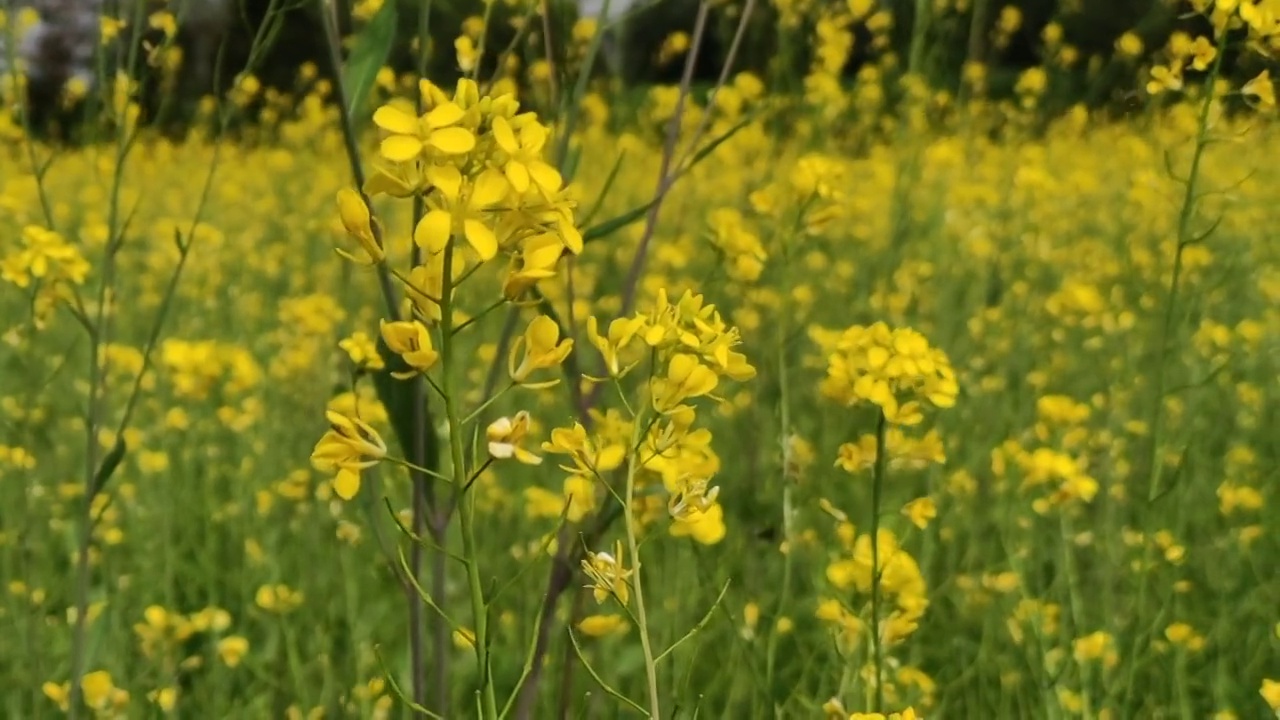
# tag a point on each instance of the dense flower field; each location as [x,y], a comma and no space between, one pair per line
[954,410]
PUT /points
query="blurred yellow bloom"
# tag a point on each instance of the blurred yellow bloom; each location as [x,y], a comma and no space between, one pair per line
[602,625]
[232,649]
[920,511]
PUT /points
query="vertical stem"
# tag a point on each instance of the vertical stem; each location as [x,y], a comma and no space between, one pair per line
[1077,607]
[423,495]
[466,504]
[650,668]
[976,47]
[976,51]
[919,29]
[1190,199]
[877,490]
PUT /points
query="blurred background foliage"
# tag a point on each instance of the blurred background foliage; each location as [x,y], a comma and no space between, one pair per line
[958,31]
[940,42]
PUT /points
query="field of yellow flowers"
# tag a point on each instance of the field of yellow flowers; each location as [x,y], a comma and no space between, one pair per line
[734,406]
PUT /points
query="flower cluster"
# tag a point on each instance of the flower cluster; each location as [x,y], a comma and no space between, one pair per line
[477,162]
[46,263]
[894,369]
[898,575]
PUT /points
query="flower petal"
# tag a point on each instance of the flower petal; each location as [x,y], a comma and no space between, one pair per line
[394,120]
[401,148]
[433,230]
[481,238]
[443,116]
[453,140]
[545,177]
[505,138]
[346,483]
[447,178]
[489,189]
[518,175]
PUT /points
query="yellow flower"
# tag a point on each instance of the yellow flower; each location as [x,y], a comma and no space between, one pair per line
[59,693]
[1261,89]
[537,261]
[411,341]
[1270,692]
[459,208]
[362,350]
[542,348]
[706,528]
[920,511]
[523,163]
[1165,78]
[504,436]
[691,499]
[1129,45]
[232,649]
[621,332]
[686,378]
[587,460]
[350,445]
[602,625]
[607,574]
[410,137]
[1095,646]
[165,698]
[278,598]
[97,689]
[1203,53]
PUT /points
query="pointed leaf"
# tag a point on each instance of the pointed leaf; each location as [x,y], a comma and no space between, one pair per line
[368,56]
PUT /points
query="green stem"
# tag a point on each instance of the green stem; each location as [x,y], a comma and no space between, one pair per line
[642,623]
[877,490]
[919,29]
[466,504]
[1077,608]
[1185,216]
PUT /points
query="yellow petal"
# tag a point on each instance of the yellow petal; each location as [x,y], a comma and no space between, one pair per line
[346,483]
[545,177]
[518,175]
[542,251]
[454,140]
[489,189]
[401,148]
[542,335]
[503,135]
[447,178]
[433,230]
[481,238]
[444,115]
[395,120]
[572,238]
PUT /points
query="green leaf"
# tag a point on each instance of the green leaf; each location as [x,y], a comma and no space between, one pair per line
[612,225]
[108,467]
[367,57]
